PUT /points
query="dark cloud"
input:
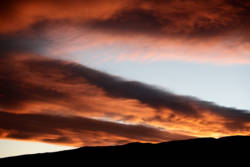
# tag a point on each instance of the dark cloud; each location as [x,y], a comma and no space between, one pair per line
[120,88]
[162,18]
[115,86]
[15,91]
[179,19]
[137,21]
[18,91]
[22,43]
[35,126]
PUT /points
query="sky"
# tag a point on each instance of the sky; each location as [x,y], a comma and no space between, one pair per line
[106,72]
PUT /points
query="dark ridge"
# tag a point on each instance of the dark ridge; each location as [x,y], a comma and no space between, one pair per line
[192,151]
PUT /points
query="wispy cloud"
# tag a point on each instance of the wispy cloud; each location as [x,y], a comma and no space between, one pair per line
[201,31]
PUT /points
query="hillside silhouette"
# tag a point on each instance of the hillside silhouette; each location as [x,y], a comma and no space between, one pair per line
[193,151]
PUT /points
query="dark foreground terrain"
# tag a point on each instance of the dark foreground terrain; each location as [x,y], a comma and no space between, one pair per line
[201,151]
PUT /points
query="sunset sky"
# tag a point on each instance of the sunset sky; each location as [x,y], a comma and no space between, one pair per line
[109,72]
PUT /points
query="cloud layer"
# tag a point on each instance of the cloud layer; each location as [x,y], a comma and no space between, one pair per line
[63,98]
[192,18]
[77,131]
[214,31]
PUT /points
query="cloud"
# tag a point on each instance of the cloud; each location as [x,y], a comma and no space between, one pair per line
[179,19]
[22,43]
[21,15]
[188,18]
[38,85]
[201,31]
[77,131]
[132,21]
[15,91]
[119,88]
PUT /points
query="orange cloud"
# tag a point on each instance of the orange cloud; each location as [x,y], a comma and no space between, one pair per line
[66,103]
[214,31]
[77,131]
[18,15]
[194,18]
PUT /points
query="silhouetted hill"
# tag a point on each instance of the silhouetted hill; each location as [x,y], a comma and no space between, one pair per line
[193,151]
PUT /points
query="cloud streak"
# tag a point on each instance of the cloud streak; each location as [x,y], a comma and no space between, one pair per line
[40,87]
[77,131]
